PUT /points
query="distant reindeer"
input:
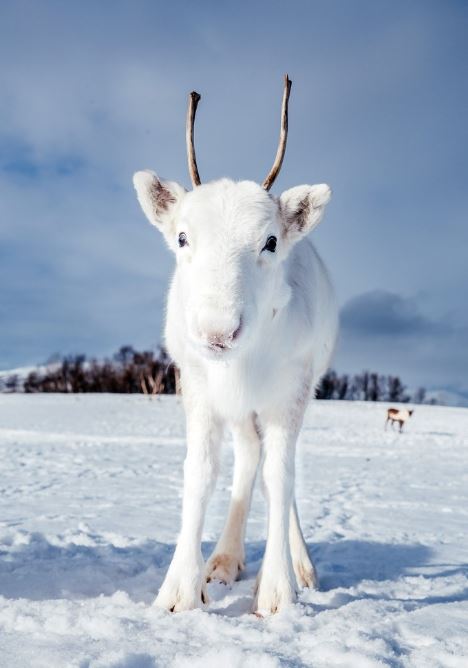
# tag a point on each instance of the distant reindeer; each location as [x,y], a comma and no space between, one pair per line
[398,415]
[251,324]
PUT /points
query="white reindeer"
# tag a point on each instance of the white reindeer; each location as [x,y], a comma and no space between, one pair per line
[251,324]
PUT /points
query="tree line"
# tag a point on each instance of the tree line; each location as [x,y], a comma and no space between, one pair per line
[130,371]
[367,386]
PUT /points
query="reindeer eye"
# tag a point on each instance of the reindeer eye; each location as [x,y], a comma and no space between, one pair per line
[182,240]
[270,244]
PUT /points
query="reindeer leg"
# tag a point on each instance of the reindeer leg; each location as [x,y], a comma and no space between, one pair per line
[184,585]
[306,575]
[276,583]
[228,557]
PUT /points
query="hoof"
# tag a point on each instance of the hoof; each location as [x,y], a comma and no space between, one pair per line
[223,568]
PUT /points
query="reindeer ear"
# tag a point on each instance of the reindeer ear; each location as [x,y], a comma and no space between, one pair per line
[160,201]
[302,208]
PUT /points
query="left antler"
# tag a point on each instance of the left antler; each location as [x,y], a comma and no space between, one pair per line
[274,171]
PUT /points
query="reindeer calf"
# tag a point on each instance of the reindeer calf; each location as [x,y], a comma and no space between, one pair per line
[251,324]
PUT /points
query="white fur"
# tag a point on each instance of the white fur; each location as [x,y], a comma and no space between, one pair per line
[251,332]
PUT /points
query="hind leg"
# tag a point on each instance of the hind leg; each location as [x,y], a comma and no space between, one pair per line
[304,569]
[228,557]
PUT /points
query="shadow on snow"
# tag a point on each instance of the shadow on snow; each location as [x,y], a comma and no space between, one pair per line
[37,569]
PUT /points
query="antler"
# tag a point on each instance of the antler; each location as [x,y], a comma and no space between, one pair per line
[274,171]
[194,99]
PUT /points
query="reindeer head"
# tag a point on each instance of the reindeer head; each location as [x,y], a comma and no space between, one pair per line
[231,240]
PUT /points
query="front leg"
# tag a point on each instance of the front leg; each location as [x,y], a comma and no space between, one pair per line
[276,582]
[184,585]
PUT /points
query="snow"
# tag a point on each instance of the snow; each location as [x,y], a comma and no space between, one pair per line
[90,499]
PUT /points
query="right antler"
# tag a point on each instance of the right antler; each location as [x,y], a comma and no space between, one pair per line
[274,171]
[194,99]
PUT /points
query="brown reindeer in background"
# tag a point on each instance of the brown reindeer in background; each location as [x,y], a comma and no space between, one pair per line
[398,415]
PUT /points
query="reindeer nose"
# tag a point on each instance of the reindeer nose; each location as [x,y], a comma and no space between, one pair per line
[218,340]
[223,339]
[222,335]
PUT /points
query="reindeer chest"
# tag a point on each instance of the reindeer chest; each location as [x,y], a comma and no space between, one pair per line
[236,390]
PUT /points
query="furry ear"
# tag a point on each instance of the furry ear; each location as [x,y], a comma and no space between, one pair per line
[160,201]
[302,209]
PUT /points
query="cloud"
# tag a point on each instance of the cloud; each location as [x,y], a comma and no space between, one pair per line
[391,333]
[382,313]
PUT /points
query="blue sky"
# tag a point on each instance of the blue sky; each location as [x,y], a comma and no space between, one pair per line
[92,91]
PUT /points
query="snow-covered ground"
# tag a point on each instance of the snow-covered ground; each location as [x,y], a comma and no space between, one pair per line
[90,499]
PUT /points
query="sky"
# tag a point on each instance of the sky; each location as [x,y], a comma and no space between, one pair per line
[92,91]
